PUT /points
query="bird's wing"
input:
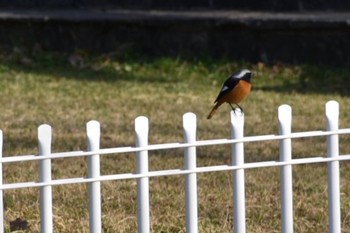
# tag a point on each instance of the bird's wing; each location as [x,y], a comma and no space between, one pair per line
[229,84]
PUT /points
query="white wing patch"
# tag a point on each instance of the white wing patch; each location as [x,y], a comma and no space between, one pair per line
[224,88]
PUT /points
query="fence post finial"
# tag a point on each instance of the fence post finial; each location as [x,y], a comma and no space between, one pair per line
[332,112]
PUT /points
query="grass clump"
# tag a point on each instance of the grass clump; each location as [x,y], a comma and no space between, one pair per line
[67,92]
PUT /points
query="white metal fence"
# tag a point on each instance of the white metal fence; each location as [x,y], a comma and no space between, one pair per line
[190,170]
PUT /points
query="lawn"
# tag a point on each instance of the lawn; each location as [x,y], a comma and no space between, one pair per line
[68,91]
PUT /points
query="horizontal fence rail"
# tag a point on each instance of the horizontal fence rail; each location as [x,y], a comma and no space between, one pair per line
[190,170]
[178,145]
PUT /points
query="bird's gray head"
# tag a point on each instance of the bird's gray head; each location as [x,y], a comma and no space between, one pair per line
[244,75]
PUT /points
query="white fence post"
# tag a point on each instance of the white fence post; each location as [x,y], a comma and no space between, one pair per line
[46,217]
[93,132]
[143,219]
[332,116]
[286,179]
[237,129]
[142,169]
[190,126]
[2,217]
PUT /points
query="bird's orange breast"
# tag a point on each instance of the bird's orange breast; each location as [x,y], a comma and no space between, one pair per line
[238,93]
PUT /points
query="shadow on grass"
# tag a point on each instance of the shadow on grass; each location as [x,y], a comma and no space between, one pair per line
[314,79]
[325,80]
[304,79]
[98,69]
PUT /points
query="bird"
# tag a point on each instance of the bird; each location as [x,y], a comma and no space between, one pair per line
[234,90]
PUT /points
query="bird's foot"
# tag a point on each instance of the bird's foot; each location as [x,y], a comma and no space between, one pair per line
[240,110]
[235,109]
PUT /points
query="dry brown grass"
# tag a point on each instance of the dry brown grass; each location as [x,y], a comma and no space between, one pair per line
[49,90]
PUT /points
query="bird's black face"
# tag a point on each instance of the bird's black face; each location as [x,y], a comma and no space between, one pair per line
[243,75]
[247,76]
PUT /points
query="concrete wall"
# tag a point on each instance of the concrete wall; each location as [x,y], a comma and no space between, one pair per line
[70,25]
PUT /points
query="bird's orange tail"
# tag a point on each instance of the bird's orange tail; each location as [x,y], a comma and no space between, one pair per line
[217,105]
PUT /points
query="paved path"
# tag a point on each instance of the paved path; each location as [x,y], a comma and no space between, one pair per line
[229,17]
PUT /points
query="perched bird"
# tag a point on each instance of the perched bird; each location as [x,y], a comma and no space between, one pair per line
[234,90]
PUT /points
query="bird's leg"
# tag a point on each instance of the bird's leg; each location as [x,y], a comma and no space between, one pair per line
[240,108]
[233,109]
